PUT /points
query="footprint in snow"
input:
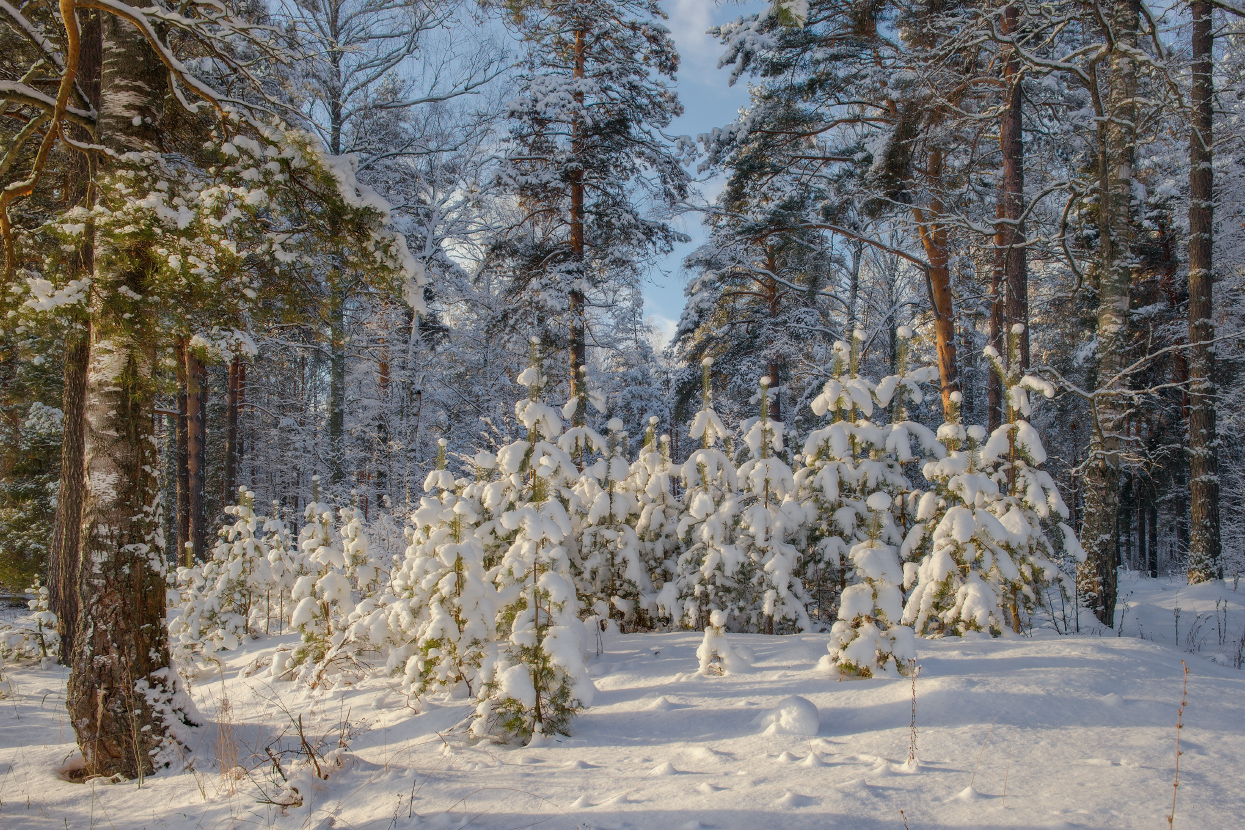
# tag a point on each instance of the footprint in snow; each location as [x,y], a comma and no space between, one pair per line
[665,768]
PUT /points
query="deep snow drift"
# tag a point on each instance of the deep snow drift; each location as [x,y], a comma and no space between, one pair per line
[1079,731]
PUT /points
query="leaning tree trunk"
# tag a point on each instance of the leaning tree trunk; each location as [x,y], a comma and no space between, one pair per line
[121,689]
[1203,465]
[1096,577]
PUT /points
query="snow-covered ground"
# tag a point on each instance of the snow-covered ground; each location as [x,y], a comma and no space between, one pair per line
[1042,731]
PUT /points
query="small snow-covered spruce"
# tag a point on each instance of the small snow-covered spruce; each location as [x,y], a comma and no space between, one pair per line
[1029,505]
[225,599]
[716,654]
[708,572]
[868,639]
[652,477]
[458,629]
[537,682]
[770,519]
[611,576]
[335,561]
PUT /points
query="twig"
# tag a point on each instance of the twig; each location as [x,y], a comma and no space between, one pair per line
[1184,693]
[983,749]
[1006,772]
[912,744]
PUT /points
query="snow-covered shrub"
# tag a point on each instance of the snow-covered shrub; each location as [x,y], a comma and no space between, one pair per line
[715,652]
[538,681]
[35,636]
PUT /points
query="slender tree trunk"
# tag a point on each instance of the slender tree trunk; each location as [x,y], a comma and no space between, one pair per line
[337,382]
[63,556]
[1143,560]
[182,463]
[1203,463]
[579,334]
[1012,230]
[1152,552]
[230,489]
[196,468]
[121,690]
[934,239]
[994,383]
[1099,534]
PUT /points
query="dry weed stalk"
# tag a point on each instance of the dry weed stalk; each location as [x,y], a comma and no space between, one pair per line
[916,670]
[1184,694]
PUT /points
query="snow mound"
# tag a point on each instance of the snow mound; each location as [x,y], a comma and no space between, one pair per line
[787,758]
[968,794]
[665,768]
[581,803]
[790,799]
[794,715]
[662,704]
[813,760]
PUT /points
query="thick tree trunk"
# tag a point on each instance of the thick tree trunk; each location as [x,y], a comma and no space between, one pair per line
[196,469]
[1099,534]
[63,599]
[1203,465]
[121,690]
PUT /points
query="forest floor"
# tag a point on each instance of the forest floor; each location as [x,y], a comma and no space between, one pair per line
[1041,731]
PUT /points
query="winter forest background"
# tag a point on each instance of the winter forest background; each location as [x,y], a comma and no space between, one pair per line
[276,275]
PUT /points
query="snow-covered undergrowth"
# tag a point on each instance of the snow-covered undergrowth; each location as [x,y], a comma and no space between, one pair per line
[1079,731]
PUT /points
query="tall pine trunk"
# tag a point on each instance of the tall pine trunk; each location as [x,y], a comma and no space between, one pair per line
[120,694]
[1096,577]
[1203,465]
[183,471]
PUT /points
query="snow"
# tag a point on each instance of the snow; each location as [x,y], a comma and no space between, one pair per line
[1081,728]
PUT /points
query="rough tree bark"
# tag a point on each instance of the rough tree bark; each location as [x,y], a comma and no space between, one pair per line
[63,553]
[230,489]
[1204,541]
[121,690]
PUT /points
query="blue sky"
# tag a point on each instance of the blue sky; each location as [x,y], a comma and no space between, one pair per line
[708,102]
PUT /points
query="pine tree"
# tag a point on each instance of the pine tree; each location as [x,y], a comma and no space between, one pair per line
[771,523]
[711,571]
[657,525]
[538,682]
